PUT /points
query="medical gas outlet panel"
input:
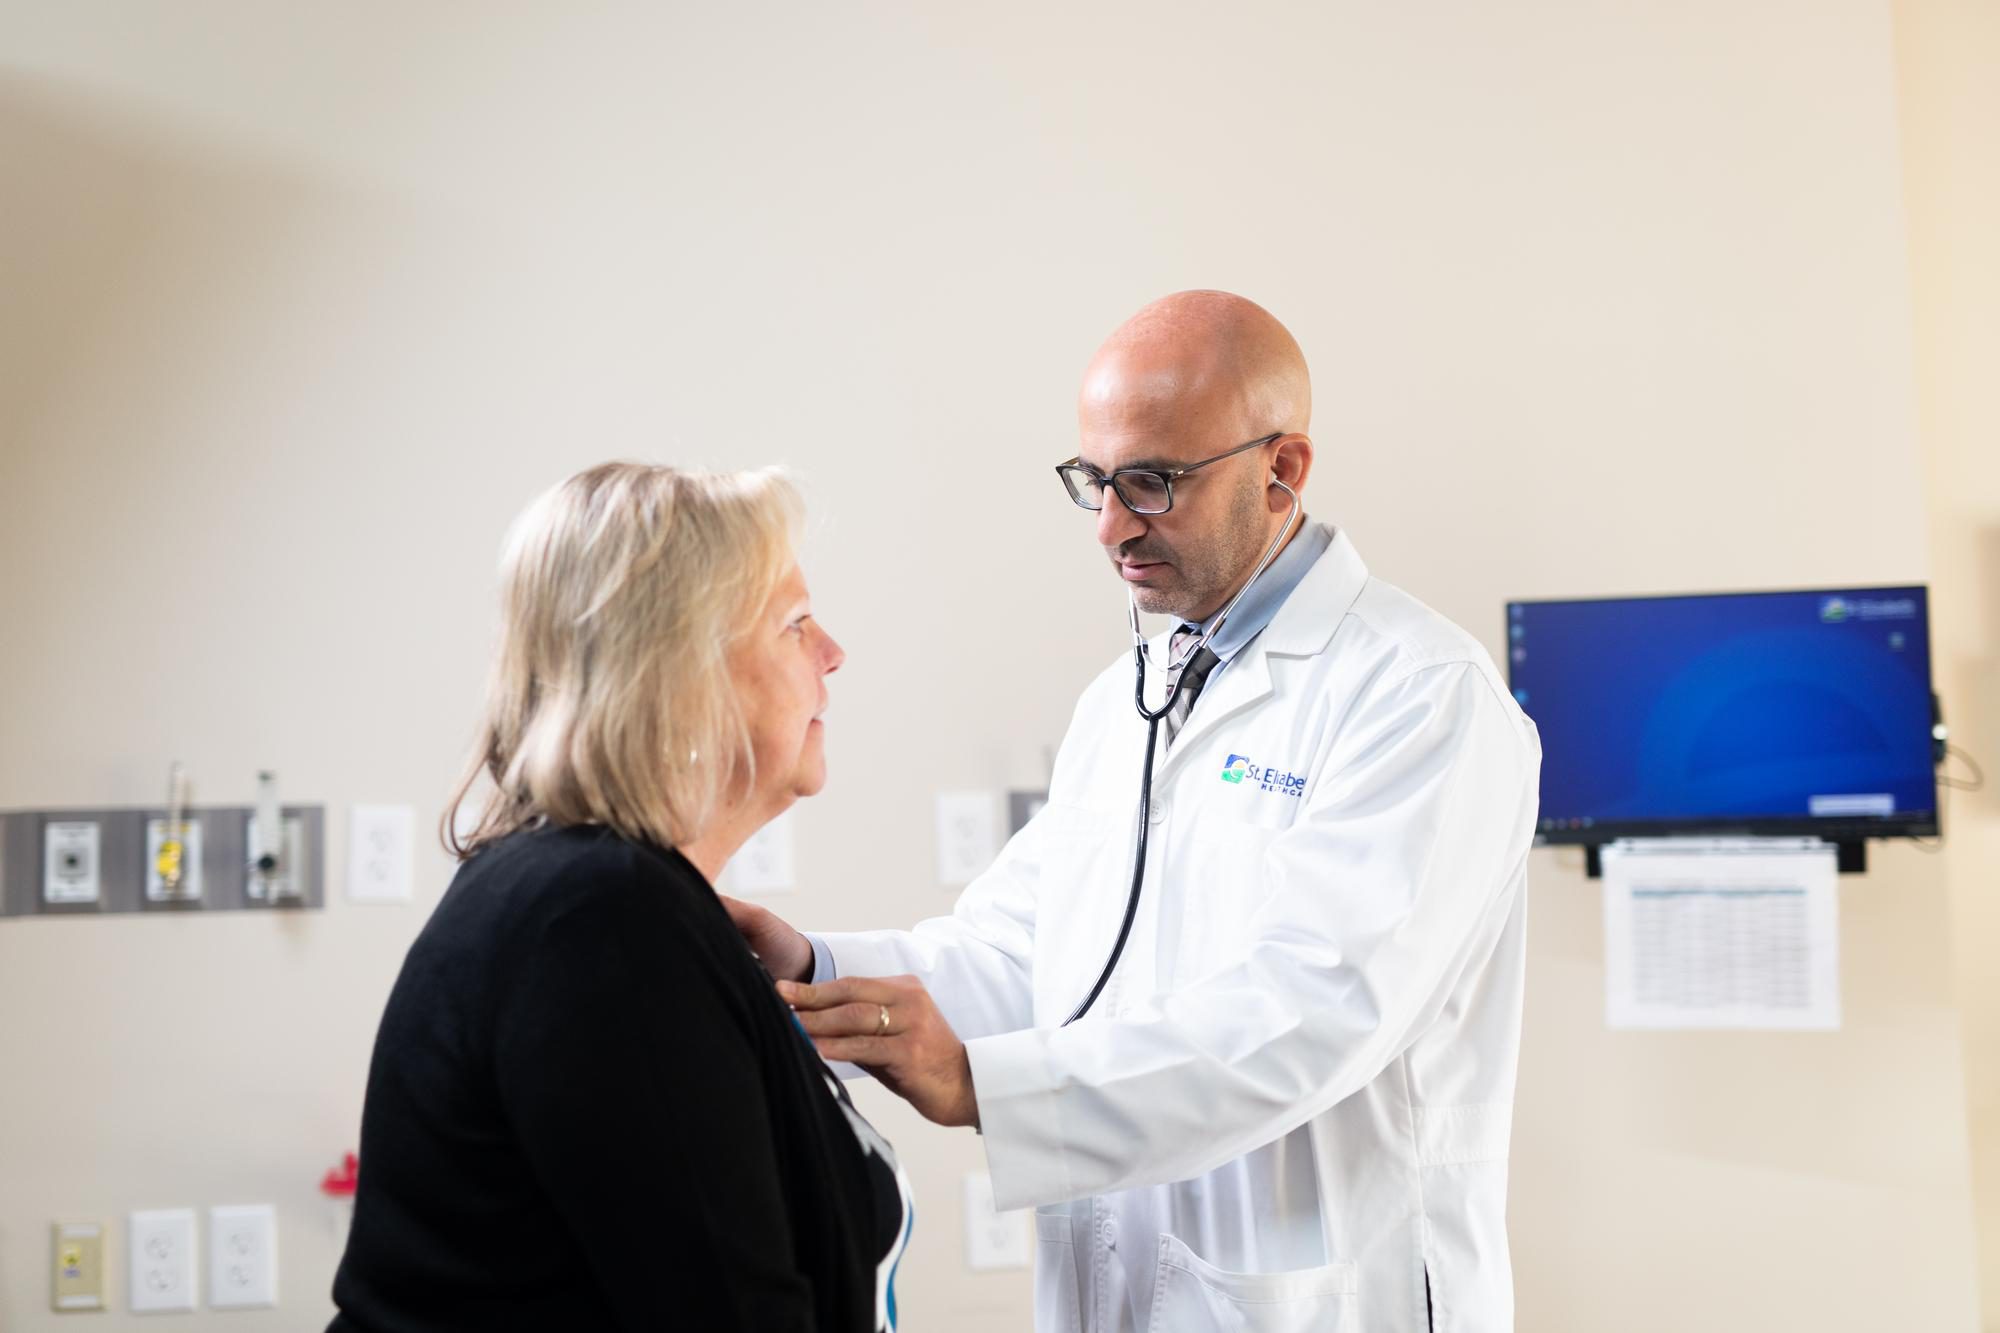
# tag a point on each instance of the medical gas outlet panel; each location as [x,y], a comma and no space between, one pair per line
[162,859]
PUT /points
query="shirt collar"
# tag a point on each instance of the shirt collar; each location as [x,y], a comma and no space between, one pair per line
[1270,590]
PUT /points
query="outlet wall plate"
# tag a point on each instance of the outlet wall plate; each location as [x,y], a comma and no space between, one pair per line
[969,835]
[381,847]
[993,1240]
[242,1256]
[764,864]
[160,1248]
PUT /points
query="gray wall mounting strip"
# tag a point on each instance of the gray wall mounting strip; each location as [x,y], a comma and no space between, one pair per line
[122,861]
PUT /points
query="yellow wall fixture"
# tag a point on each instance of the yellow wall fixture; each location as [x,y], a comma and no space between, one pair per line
[77,1262]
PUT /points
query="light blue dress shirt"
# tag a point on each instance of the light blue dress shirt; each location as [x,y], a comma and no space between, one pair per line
[1267,594]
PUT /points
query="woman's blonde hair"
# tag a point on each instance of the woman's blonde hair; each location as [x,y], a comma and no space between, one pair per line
[610,702]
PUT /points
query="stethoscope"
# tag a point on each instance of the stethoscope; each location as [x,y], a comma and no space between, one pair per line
[1176,668]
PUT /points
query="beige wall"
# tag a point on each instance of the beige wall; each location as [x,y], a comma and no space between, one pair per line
[1948,67]
[298,308]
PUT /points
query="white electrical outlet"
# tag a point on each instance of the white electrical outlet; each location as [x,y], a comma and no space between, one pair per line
[380,840]
[156,836]
[70,861]
[160,1245]
[969,834]
[243,1256]
[993,1240]
[764,864]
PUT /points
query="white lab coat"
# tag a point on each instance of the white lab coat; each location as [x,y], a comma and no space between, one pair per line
[1292,1101]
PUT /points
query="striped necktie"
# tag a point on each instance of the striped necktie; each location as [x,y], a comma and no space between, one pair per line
[1192,678]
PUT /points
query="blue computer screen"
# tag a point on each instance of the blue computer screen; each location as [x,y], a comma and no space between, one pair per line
[1735,707]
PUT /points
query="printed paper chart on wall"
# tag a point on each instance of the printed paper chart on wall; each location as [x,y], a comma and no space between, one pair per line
[1722,934]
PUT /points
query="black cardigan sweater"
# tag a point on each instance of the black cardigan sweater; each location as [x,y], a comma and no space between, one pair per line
[589,1109]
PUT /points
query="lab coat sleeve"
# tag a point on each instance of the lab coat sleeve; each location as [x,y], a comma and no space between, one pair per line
[1372,902]
[976,961]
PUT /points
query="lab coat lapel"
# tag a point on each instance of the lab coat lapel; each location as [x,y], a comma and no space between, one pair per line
[1244,682]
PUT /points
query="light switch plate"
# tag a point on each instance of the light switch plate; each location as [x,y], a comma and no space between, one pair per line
[160,1246]
[993,1240]
[242,1256]
[78,1258]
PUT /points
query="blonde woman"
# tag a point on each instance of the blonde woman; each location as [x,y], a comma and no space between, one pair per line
[587,1108]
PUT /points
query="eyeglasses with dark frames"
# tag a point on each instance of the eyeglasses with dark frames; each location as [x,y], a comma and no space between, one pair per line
[1143,490]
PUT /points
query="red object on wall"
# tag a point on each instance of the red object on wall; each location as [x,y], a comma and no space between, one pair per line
[340,1182]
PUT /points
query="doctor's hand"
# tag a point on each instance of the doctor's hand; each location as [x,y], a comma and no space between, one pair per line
[785,954]
[891,1027]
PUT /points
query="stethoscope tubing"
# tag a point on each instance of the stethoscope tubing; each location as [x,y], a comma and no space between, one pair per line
[1152,717]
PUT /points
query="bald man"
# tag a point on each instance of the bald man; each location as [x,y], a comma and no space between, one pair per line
[1286,1106]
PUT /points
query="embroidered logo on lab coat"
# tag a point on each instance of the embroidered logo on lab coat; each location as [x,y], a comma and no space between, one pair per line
[1281,782]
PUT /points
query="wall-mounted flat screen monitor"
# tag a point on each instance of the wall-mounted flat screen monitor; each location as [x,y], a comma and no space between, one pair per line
[1758,714]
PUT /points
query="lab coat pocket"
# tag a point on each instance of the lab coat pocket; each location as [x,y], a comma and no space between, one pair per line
[1191,1295]
[1058,1302]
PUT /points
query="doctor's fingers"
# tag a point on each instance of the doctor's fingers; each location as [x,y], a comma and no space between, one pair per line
[851,1020]
[870,1053]
[848,990]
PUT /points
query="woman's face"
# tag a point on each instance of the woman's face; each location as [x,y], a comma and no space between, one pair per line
[780,667]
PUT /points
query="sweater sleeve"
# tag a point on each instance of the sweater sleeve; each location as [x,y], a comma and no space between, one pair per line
[637,1095]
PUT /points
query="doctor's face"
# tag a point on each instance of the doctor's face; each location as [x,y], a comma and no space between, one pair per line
[780,667]
[1188,561]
